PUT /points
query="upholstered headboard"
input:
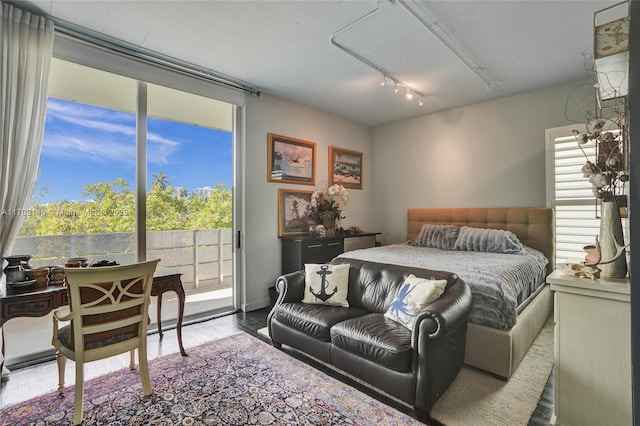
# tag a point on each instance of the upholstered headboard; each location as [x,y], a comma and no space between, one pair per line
[534,226]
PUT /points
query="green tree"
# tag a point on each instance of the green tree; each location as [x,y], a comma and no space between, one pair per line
[112,209]
[211,212]
[161,180]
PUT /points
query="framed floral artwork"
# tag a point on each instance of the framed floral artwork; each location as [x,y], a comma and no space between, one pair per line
[345,167]
[291,160]
[293,211]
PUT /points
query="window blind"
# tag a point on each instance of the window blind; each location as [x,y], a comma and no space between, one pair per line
[574,202]
[577,221]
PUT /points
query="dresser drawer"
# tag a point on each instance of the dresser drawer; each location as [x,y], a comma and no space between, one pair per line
[355,243]
[321,252]
[296,251]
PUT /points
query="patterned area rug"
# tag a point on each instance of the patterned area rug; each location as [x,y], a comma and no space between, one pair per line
[477,398]
[237,380]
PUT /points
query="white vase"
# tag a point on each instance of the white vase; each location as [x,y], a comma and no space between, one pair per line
[610,238]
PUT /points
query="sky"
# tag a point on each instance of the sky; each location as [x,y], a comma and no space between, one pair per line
[85,144]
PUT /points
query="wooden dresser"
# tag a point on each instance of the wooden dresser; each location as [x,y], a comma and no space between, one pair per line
[592,372]
[298,250]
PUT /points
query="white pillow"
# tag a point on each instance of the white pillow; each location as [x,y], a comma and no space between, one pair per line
[334,289]
[414,296]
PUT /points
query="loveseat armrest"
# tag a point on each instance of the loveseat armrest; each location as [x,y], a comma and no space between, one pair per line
[290,287]
[445,314]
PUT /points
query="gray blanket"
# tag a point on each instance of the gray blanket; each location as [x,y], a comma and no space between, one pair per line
[499,282]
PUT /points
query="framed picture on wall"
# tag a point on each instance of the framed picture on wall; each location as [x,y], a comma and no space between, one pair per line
[291,160]
[345,167]
[293,211]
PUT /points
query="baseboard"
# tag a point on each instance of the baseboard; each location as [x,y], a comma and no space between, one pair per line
[246,307]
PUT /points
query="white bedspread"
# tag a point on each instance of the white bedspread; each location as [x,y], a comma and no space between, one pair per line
[499,282]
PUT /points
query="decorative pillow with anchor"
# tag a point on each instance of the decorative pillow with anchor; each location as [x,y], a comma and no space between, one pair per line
[326,284]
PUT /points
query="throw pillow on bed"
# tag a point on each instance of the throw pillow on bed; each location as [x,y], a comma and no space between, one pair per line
[436,236]
[326,284]
[414,296]
[488,240]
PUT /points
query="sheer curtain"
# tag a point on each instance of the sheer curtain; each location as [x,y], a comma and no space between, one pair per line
[26,43]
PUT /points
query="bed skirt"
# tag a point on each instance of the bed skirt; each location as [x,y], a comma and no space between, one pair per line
[500,351]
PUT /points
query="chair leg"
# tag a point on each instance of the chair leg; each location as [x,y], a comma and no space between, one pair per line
[77,407]
[61,361]
[144,370]
[132,359]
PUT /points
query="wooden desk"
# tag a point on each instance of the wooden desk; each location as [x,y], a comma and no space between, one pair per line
[37,303]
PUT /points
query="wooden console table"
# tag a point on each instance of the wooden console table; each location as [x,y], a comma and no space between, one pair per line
[38,303]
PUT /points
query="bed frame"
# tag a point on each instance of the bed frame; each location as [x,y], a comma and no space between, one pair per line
[500,351]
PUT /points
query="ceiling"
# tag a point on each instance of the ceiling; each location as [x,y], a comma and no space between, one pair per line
[286,48]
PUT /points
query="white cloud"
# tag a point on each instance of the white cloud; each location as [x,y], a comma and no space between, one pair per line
[80,131]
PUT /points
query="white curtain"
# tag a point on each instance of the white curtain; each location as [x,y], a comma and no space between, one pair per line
[26,42]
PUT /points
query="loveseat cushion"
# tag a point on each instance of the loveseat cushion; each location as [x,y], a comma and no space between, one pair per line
[314,320]
[375,338]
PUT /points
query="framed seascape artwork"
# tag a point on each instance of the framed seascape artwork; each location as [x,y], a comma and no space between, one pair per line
[291,160]
[345,167]
[293,211]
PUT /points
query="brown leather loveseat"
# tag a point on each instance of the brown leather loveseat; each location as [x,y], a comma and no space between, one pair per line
[416,366]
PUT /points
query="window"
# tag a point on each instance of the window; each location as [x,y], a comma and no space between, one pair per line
[86,192]
[577,218]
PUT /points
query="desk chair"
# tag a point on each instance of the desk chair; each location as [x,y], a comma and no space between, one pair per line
[108,314]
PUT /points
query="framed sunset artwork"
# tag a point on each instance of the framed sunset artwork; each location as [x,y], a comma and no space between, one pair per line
[291,160]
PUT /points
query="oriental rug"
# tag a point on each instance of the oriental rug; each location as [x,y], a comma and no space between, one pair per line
[237,380]
[477,398]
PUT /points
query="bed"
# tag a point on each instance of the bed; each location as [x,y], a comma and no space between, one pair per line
[494,347]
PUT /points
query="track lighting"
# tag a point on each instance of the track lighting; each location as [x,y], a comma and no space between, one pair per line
[409,94]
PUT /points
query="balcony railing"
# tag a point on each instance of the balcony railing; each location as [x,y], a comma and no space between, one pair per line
[204,256]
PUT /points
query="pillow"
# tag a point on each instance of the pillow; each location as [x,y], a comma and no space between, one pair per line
[414,296]
[326,284]
[436,236]
[488,240]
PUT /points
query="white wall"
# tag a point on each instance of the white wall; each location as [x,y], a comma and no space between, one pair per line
[490,154]
[269,114]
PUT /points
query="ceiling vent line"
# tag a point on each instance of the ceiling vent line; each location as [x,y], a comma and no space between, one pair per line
[385,75]
[429,23]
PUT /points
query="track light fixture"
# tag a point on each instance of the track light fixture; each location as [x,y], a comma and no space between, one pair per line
[409,94]
[429,23]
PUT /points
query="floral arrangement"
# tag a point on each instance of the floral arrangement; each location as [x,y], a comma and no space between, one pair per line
[608,172]
[328,203]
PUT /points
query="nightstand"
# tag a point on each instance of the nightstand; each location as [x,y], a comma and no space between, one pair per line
[592,357]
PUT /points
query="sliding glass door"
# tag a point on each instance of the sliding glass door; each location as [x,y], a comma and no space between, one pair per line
[87,196]
[189,200]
